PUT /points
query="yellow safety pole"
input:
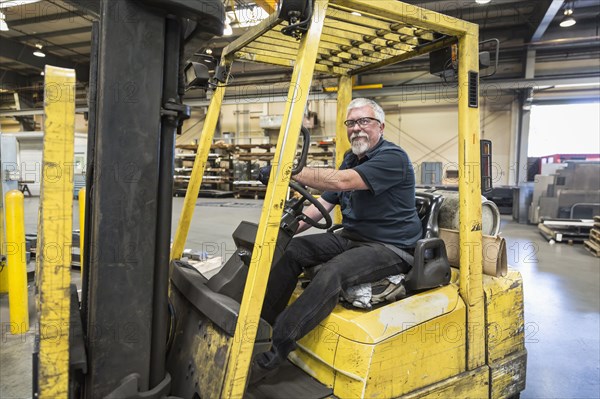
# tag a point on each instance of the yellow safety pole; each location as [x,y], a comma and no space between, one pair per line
[81,198]
[342,144]
[17,268]
[471,252]
[3,268]
[191,195]
[268,227]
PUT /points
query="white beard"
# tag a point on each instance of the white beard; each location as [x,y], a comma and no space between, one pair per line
[359,147]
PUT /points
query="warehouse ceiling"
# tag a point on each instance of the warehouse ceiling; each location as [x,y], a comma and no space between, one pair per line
[61,29]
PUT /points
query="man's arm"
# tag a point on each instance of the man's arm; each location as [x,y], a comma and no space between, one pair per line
[313,213]
[331,180]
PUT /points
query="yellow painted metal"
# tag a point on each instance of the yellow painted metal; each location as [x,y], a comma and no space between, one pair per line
[388,351]
[369,32]
[359,87]
[387,32]
[268,228]
[408,14]
[506,354]
[342,144]
[324,341]
[507,376]
[210,349]
[341,43]
[270,6]
[253,33]
[193,189]
[379,324]
[271,49]
[55,232]
[242,55]
[445,42]
[505,335]
[358,20]
[3,269]
[469,187]
[258,56]
[17,268]
[470,384]
[425,354]
[81,199]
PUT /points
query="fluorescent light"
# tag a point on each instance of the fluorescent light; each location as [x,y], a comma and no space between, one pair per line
[482,1]
[39,52]
[568,20]
[244,17]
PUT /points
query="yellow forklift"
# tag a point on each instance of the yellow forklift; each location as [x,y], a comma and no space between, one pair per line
[150,326]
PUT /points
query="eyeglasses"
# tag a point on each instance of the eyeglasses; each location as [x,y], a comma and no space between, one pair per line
[362,122]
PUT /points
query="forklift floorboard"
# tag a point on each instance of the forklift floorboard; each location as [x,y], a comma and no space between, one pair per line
[289,382]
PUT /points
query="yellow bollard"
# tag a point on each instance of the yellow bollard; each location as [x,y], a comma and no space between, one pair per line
[3,268]
[81,198]
[17,268]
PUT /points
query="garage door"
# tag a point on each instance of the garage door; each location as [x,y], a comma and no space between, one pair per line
[30,162]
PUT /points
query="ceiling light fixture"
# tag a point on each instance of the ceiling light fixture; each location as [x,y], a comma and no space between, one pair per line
[482,1]
[567,19]
[39,52]
[246,17]
[3,25]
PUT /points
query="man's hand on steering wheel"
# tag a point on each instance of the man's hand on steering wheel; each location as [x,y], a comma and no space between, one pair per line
[310,198]
[263,174]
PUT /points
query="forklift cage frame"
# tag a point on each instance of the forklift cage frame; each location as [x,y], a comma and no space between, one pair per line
[346,38]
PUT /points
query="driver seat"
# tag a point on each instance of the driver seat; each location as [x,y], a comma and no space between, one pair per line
[430,266]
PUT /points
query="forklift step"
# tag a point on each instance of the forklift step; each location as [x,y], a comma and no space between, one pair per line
[289,382]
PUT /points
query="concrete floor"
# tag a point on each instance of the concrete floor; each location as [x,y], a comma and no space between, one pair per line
[562,302]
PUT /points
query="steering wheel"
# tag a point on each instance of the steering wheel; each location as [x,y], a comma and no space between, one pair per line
[308,196]
[304,192]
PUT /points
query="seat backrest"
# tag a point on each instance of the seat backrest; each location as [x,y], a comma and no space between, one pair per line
[428,208]
[430,267]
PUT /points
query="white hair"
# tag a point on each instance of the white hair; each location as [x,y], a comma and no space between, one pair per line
[361,102]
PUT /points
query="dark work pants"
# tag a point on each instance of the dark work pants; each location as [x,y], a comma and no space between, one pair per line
[345,263]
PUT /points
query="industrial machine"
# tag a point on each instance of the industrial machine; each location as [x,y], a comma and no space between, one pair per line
[150,327]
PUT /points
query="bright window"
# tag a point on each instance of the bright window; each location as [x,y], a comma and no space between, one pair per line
[564,129]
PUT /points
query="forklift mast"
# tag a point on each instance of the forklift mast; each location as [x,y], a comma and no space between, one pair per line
[135,112]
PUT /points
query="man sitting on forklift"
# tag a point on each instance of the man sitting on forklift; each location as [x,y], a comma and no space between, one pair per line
[375,188]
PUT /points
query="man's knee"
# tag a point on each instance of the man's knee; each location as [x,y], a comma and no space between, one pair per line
[328,277]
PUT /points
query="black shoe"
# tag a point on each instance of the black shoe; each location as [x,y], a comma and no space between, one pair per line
[259,373]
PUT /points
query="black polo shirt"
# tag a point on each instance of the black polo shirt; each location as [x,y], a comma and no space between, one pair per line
[386,211]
